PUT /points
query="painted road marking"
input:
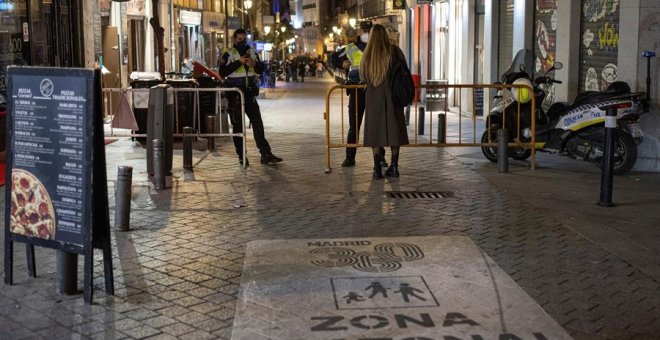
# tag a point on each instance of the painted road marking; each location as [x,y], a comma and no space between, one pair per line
[434,287]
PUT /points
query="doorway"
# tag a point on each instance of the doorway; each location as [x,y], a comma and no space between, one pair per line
[136,44]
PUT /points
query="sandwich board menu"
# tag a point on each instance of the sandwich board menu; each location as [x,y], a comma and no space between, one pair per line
[56,195]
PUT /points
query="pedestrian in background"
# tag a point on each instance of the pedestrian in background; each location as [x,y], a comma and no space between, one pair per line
[240,66]
[385,123]
[287,71]
[307,69]
[319,70]
[294,71]
[301,71]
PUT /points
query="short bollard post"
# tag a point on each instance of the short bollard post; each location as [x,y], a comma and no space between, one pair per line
[187,148]
[123,197]
[607,168]
[502,151]
[420,121]
[442,127]
[210,128]
[159,165]
[66,276]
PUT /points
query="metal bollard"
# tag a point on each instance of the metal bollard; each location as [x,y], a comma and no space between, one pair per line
[159,165]
[502,151]
[408,115]
[123,197]
[66,277]
[187,148]
[648,55]
[607,168]
[210,128]
[442,128]
[420,121]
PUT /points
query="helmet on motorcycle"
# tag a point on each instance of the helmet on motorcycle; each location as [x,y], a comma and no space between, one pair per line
[522,94]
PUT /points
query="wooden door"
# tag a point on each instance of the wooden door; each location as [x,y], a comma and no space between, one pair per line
[111,62]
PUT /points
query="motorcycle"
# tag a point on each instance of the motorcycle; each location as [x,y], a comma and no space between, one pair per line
[575,130]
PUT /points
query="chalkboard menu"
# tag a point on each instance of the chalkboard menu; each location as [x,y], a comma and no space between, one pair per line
[56,195]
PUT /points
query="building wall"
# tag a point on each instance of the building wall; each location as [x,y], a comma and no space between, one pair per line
[645,36]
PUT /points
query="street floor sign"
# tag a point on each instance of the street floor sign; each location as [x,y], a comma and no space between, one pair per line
[433,287]
[56,194]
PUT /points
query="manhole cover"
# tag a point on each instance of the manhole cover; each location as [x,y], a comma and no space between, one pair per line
[419,194]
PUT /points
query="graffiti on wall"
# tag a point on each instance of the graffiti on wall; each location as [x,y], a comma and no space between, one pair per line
[545,44]
[545,41]
[600,44]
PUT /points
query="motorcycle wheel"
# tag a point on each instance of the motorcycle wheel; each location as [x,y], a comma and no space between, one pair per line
[520,154]
[489,152]
[625,153]
[516,153]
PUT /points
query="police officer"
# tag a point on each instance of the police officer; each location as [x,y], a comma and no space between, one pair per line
[240,67]
[348,58]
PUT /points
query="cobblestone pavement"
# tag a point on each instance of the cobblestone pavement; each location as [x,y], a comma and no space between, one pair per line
[177,272]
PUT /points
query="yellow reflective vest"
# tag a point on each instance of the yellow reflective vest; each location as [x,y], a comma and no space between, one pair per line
[354,55]
[241,72]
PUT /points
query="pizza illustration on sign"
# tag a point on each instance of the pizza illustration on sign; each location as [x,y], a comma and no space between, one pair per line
[32,213]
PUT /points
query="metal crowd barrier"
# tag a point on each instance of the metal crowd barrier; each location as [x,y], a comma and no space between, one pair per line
[448,116]
[138,99]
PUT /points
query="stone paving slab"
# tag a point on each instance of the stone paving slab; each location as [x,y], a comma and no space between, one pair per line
[405,287]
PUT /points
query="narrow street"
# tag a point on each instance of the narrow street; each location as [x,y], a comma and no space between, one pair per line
[595,271]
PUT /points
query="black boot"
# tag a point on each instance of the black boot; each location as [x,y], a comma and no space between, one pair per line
[378,169]
[393,170]
[269,158]
[383,162]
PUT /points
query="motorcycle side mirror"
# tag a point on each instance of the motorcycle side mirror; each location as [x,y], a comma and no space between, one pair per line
[556,66]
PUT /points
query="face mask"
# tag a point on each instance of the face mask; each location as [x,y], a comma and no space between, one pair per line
[364,37]
[241,44]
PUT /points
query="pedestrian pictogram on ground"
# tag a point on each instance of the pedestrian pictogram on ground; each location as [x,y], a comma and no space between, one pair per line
[382,292]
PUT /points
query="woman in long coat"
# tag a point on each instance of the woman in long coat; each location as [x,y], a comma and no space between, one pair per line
[385,123]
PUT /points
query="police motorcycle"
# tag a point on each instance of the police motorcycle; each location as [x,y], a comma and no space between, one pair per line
[575,130]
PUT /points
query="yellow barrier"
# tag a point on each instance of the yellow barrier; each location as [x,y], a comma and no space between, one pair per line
[456,93]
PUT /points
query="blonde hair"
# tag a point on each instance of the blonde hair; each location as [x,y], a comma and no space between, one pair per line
[376,57]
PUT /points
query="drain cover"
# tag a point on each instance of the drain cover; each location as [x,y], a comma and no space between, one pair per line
[419,194]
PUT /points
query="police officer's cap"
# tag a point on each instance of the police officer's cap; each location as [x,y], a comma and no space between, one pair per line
[365,25]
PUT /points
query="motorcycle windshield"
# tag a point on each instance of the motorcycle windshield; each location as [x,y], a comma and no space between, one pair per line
[524,57]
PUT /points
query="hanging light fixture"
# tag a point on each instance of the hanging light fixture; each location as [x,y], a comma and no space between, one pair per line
[247,4]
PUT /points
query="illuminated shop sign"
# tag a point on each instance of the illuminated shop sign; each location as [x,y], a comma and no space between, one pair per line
[6,6]
[190,18]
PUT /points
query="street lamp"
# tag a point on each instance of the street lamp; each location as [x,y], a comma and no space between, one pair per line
[352,22]
[267,29]
[283,29]
[247,4]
